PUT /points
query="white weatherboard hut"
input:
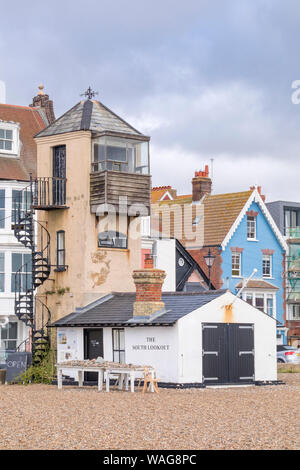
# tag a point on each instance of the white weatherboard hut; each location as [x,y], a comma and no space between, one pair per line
[199,338]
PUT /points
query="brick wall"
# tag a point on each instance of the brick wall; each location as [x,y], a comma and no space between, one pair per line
[216,270]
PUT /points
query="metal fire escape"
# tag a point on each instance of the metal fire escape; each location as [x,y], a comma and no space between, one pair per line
[43,194]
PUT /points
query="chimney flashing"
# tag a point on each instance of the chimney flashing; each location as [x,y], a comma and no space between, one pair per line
[147,318]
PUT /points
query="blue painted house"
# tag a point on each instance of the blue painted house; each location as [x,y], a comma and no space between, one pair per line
[241,234]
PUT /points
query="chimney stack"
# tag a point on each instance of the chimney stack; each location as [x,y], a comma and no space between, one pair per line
[41,100]
[259,192]
[201,184]
[148,283]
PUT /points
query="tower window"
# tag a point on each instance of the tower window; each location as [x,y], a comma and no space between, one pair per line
[111,239]
[118,154]
[60,250]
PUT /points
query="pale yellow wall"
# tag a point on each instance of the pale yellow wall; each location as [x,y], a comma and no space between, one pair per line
[91,271]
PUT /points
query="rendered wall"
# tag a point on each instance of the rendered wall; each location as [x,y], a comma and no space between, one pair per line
[91,271]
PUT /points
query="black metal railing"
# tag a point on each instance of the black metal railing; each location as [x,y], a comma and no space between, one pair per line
[33,235]
[49,191]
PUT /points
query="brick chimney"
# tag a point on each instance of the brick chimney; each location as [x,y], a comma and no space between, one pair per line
[201,184]
[259,192]
[41,100]
[148,283]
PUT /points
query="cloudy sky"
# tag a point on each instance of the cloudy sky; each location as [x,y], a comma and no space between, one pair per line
[205,79]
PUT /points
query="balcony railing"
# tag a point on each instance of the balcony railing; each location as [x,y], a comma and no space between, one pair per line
[292,232]
[293,264]
[49,193]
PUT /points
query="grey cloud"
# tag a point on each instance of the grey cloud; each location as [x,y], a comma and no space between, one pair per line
[204,78]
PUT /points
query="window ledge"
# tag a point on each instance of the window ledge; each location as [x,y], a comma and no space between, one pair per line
[252,240]
[109,248]
[60,269]
[237,277]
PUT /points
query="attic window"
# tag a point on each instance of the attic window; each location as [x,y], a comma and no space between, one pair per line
[111,239]
[9,138]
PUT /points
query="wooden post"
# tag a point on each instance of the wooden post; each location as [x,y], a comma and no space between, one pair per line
[80,378]
[100,380]
[107,380]
[59,379]
[132,377]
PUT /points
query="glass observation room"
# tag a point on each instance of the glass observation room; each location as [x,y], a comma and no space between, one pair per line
[119,154]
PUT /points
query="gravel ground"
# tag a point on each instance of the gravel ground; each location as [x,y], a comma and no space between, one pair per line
[42,417]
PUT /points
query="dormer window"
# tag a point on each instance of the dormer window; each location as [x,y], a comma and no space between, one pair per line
[6,139]
[120,154]
[9,139]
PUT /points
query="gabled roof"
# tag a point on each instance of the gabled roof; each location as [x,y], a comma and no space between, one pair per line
[31,121]
[256,197]
[159,192]
[89,115]
[220,213]
[193,265]
[117,309]
[223,214]
[257,284]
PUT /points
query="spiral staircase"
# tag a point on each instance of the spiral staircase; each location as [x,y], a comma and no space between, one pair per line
[28,308]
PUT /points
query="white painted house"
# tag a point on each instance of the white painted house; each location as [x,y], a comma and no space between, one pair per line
[199,338]
[18,125]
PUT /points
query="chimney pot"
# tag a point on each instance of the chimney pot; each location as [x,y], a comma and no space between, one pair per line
[148,262]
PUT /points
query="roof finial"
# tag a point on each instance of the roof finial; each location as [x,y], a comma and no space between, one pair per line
[89,93]
[41,88]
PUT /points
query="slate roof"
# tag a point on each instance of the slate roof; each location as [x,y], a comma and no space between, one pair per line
[31,121]
[116,309]
[89,115]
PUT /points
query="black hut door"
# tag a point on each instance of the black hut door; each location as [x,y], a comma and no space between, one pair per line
[93,348]
[59,175]
[228,353]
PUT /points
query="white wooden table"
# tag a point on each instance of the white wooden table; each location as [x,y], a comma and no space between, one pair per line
[125,374]
[80,371]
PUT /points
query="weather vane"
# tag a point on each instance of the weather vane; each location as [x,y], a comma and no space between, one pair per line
[89,93]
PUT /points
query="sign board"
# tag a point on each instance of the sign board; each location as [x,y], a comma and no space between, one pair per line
[16,363]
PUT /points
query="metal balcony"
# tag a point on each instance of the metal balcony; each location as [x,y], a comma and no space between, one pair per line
[293,233]
[49,193]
